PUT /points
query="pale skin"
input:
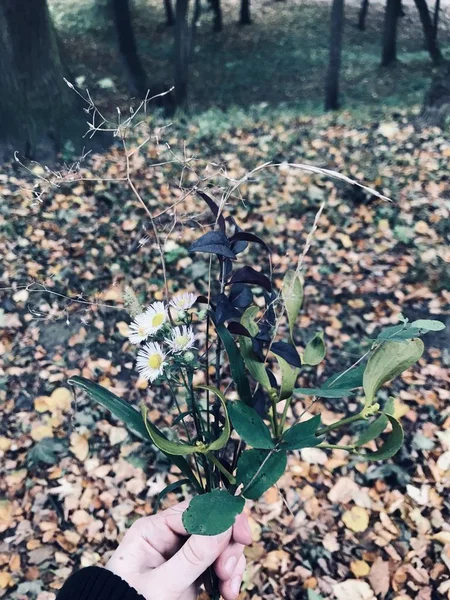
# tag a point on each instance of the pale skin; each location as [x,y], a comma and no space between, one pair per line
[161,561]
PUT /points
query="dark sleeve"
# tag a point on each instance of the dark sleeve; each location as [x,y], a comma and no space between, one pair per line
[95,583]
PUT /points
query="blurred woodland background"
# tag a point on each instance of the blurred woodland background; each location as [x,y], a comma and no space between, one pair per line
[362,88]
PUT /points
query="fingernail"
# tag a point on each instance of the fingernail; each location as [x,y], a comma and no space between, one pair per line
[236,584]
[230,565]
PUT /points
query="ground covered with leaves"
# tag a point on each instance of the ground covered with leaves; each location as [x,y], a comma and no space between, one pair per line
[73,479]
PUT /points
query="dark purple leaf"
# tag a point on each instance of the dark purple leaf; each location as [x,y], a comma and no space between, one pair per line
[213,242]
[249,237]
[272,378]
[238,329]
[260,403]
[225,310]
[202,300]
[288,352]
[249,275]
[240,295]
[239,245]
[227,267]
[214,209]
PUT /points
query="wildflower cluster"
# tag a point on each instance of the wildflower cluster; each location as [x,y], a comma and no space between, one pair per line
[170,335]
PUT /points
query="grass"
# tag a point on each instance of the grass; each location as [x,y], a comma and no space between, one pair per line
[279,60]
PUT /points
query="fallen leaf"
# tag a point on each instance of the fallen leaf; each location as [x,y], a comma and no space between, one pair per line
[79,446]
[353,589]
[356,519]
[359,568]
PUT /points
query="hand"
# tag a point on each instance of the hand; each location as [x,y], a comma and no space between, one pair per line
[159,560]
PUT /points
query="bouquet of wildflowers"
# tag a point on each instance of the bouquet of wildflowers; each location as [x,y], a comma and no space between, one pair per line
[231,362]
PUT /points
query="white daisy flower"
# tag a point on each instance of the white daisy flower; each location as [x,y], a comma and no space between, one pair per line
[157,315]
[150,361]
[183,301]
[141,328]
[182,339]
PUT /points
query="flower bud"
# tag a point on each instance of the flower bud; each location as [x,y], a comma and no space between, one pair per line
[202,314]
[189,356]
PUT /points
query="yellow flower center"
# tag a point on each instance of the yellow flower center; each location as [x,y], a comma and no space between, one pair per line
[181,341]
[155,361]
[158,320]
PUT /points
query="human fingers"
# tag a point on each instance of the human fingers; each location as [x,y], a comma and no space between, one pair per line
[189,563]
[241,530]
[227,562]
[231,587]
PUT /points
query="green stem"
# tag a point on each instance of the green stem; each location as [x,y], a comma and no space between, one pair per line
[216,462]
[336,447]
[341,423]
[276,431]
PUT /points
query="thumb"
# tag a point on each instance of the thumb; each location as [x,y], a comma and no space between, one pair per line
[190,562]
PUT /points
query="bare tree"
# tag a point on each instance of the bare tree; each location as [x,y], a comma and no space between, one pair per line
[334,63]
[182,51]
[170,17]
[391,16]
[429,31]
[245,18]
[217,10]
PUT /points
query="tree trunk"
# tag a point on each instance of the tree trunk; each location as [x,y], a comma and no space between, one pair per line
[245,13]
[170,17]
[36,105]
[181,52]
[217,10]
[363,15]
[390,33]
[437,8]
[127,46]
[334,63]
[428,30]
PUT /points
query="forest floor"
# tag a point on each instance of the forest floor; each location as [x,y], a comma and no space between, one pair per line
[73,479]
[280,59]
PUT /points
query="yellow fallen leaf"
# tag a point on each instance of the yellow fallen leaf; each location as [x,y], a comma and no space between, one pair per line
[42,404]
[400,409]
[356,519]
[6,514]
[141,384]
[117,435]
[79,445]
[443,537]
[61,399]
[6,580]
[124,328]
[359,568]
[39,432]
[5,444]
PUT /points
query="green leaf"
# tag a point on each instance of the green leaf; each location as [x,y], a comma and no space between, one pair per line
[302,435]
[391,445]
[389,360]
[249,425]
[248,320]
[289,376]
[226,431]
[315,350]
[374,430]
[292,294]
[212,513]
[161,442]
[323,393]
[170,488]
[348,379]
[258,470]
[428,325]
[255,367]
[237,366]
[130,416]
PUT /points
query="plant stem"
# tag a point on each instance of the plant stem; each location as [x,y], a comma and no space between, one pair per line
[284,415]
[336,447]
[341,423]
[273,399]
[221,468]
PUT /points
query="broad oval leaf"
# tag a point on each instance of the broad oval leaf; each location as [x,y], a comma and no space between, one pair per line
[289,376]
[389,360]
[240,295]
[250,426]
[315,350]
[226,432]
[212,513]
[428,325]
[213,242]
[249,237]
[258,470]
[391,445]
[250,275]
[302,435]
[292,294]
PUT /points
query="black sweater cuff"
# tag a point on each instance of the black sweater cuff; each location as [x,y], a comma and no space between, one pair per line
[95,583]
